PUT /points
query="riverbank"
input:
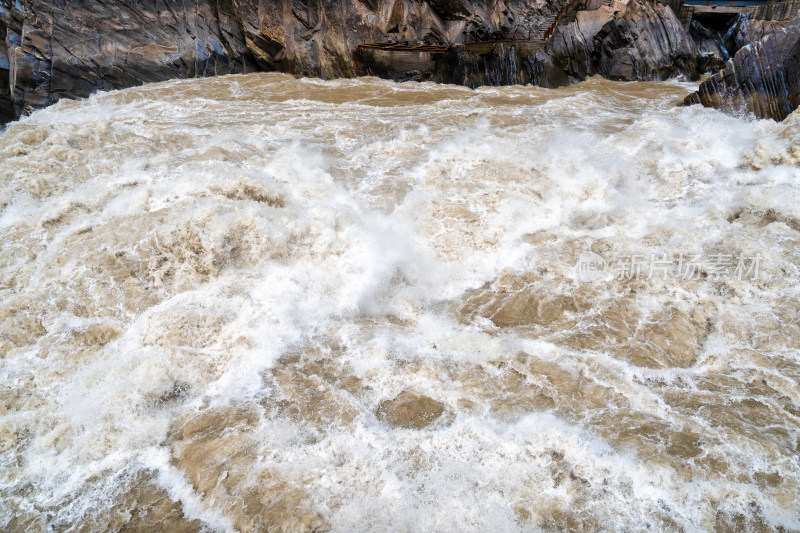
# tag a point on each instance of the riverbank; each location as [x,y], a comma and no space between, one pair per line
[49,54]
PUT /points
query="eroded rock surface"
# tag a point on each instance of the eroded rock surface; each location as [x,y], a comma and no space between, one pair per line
[762,78]
[52,49]
[646,41]
[712,47]
[628,40]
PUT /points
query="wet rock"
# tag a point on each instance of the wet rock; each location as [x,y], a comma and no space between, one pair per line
[410,410]
[711,47]
[543,72]
[7,111]
[762,78]
[572,44]
[630,40]
[765,20]
[53,49]
[449,9]
[502,64]
[647,42]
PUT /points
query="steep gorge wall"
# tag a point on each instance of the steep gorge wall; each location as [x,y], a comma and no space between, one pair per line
[51,49]
[625,41]
[763,78]
[58,48]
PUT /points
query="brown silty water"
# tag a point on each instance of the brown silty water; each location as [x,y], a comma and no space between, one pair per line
[257,303]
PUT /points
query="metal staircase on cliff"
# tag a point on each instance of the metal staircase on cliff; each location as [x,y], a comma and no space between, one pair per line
[548,26]
[544,28]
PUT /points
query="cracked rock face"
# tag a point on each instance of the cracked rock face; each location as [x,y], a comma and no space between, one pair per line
[648,42]
[712,48]
[52,49]
[629,40]
[762,78]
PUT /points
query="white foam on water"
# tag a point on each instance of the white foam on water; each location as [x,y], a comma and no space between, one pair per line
[165,249]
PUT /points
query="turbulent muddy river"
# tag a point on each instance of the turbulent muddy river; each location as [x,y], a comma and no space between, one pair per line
[256,303]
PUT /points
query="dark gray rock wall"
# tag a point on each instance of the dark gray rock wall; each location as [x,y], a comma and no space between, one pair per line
[762,78]
[51,49]
[69,48]
[711,47]
[58,48]
[572,44]
[7,110]
[632,40]
[647,42]
[311,38]
[748,30]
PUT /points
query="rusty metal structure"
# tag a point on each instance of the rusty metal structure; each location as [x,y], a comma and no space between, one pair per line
[514,36]
[394,58]
[393,46]
[565,8]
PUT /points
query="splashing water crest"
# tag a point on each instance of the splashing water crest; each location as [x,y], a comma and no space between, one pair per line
[258,303]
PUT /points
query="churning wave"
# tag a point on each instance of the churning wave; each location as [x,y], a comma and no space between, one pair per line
[257,303]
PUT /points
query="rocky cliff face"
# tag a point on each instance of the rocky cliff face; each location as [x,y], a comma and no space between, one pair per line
[645,42]
[628,40]
[762,78]
[58,48]
[51,49]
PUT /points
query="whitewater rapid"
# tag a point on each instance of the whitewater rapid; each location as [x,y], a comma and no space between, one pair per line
[258,303]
